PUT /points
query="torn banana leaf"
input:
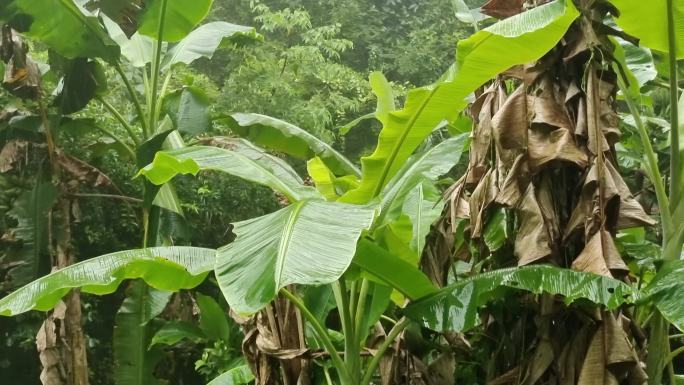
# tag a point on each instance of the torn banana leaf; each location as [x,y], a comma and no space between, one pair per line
[455,307]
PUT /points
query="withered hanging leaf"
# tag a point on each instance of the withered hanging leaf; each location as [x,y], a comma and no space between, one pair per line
[22,75]
[509,127]
[601,117]
[123,12]
[551,133]
[569,362]
[600,256]
[542,358]
[532,241]
[482,197]
[594,370]
[502,9]
[631,213]
[511,377]
[441,370]
[611,358]
[47,343]
[623,211]
[483,111]
[83,172]
[515,183]
[547,204]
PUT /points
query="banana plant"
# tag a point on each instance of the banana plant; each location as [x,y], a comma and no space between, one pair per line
[355,230]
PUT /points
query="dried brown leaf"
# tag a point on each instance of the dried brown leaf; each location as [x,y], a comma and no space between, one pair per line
[502,9]
[532,241]
[600,256]
[11,153]
[483,195]
[441,370]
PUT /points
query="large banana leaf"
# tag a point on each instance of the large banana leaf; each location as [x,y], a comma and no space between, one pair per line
[648,22]
[174,18]
[164,268]
[665,292]
[519,39]
[62,25]
[309,242]
[456,307]
[203,42]
[281,136]
[132,335]
[243,160]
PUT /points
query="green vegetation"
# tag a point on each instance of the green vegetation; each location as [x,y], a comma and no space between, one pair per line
[347,192]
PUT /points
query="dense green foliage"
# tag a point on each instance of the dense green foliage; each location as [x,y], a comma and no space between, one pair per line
[345,192]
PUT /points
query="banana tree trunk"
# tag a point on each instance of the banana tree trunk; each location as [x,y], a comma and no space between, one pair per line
[61,342]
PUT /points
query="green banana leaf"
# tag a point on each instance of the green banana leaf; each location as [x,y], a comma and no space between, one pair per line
[188,109]
[519,39]
[429,165]
[30,211]
[164,268]
[172,20]
[383,92]
[213,321]
[237,376]
[421,207]
[389,270]
[132,335]
[203,42]
[496,230]
[323,178]
[665,292]
[309,242]
[175,331]
[455,307]
[62,25]
[83,80]
[648,22]
[243,160]
[284,137]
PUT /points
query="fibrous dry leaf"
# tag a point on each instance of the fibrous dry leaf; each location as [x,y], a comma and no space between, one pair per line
[532,241]
[11,153]
[600,256]
[502,9]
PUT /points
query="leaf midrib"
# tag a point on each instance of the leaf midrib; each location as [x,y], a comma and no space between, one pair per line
[400,142]
[289,193]
[286,240]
